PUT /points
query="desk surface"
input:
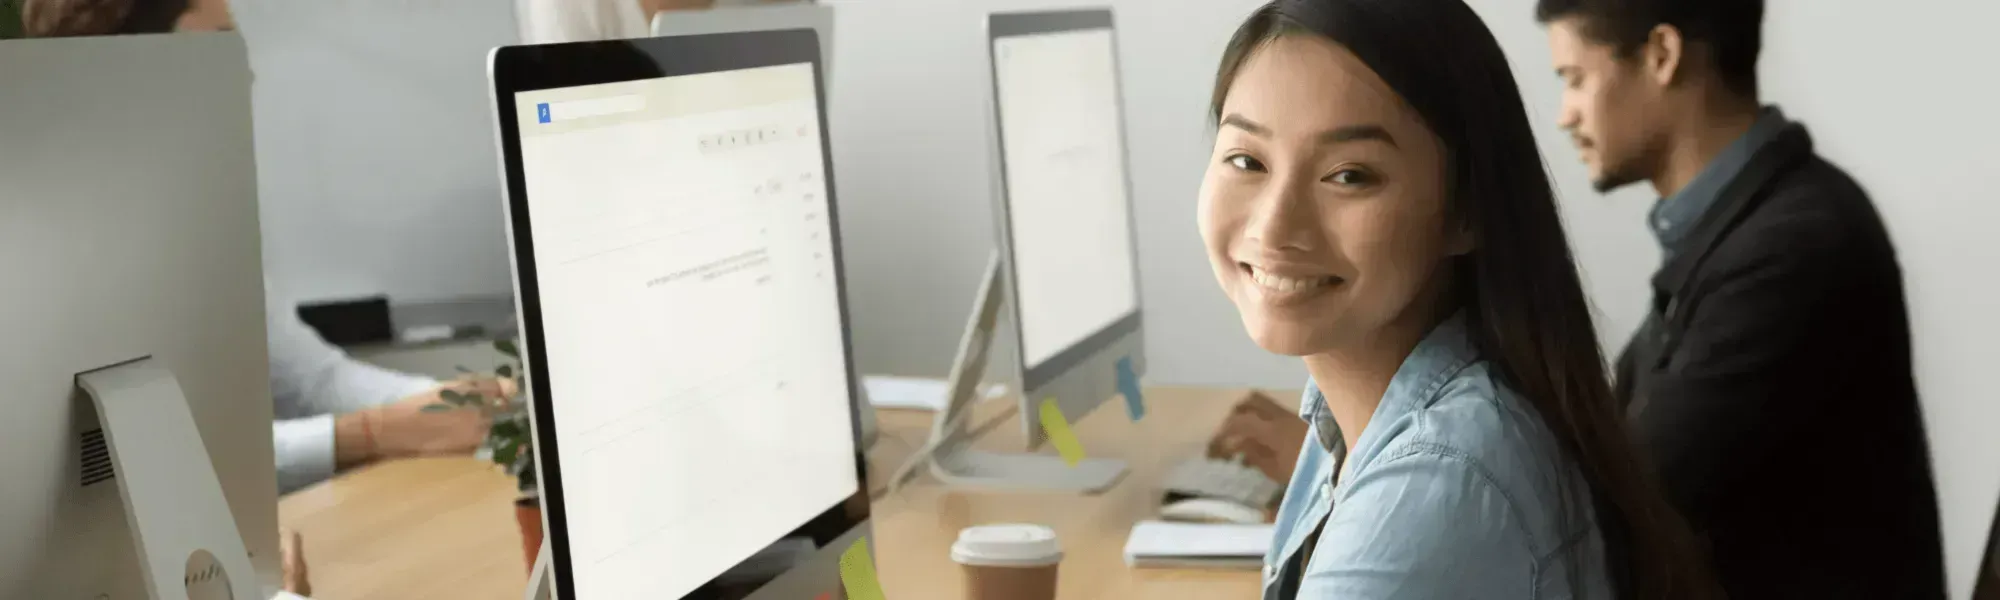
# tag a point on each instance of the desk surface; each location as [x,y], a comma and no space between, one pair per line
[444,528]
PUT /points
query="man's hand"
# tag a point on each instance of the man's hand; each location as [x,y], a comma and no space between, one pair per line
[292,560]
[405,428]
[1265,434]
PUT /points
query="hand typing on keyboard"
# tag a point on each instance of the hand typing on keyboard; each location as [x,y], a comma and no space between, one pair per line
[1264,434]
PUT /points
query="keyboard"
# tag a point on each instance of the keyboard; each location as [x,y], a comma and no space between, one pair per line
[1221,480]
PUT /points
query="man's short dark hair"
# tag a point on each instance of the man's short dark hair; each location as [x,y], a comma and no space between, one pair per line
[1731,30]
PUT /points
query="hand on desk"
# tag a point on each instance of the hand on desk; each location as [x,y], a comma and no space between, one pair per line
[1267,435]
[292,559]
[407,429]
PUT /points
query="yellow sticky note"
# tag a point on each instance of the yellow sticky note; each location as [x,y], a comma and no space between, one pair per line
[857,572]
[1059,433]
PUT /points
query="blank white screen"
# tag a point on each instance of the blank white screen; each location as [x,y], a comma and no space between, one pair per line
[691,322]
[1065,171]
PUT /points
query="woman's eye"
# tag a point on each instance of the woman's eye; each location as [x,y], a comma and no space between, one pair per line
[1243,162]
[1350,177]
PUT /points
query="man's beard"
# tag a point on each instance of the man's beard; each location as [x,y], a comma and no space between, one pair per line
[1611,180]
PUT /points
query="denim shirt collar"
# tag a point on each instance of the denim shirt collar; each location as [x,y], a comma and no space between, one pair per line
[1675,216]
[1442,353]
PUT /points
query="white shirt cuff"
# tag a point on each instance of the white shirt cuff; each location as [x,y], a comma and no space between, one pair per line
[304,449]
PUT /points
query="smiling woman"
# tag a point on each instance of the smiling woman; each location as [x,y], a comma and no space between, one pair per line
[1376,205]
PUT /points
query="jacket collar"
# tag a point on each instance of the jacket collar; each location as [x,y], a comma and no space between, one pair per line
[1743,192]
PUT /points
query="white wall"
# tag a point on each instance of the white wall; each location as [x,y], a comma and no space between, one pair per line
[376,165]
[911,153]
[1906,105]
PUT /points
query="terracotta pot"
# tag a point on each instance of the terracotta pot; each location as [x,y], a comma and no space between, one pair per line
[528,515]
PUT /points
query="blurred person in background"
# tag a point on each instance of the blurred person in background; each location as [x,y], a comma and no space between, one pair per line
[555,21]
[73,18]
[333,412]
[1771,381]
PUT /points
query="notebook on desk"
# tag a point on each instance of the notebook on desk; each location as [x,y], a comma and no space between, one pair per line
[1197,545]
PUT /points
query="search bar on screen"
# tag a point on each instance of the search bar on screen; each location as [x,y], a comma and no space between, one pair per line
[550,112]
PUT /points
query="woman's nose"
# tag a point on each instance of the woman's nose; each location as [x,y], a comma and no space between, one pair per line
[1283,217]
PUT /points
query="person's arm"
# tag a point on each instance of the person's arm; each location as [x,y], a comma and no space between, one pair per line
[1720,404]
[1421,526]
[318,395]
[554,21]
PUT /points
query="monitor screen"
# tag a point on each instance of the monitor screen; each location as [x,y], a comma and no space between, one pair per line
[691,319]
[1064,163]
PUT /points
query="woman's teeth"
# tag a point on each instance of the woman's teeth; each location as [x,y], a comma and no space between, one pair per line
[1280,283]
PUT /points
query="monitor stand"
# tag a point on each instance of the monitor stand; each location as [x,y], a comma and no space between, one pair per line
[965,468]
[540,586]
[181,525]
[949,452]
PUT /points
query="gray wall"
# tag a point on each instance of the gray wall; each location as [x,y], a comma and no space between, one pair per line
[911,152]
[375,156]
[1911,114]
[1906,105]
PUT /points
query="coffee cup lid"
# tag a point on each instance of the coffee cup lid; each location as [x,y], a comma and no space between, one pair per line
[1012,544]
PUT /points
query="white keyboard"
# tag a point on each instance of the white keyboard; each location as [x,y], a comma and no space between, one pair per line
[1221,480]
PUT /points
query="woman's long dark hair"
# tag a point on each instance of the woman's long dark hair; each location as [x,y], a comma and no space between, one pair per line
[1519,289]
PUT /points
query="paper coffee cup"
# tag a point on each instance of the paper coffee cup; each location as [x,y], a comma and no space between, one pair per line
[1008,562]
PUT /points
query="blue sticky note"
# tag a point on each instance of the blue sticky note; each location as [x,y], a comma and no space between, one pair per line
[1128,384]
[542,112]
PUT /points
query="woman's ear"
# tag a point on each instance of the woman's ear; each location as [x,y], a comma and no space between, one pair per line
[1460,240]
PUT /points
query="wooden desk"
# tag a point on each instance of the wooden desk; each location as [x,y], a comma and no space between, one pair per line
[444,528]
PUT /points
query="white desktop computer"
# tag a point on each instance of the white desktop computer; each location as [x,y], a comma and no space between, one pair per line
[677,265]
[1067,258]
[133,368]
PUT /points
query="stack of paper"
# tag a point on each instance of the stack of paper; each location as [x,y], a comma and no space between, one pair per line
[1199,545]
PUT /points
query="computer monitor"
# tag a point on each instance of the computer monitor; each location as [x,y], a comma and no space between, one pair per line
[771,17]
[129,246]
[1063,210]
[677,265]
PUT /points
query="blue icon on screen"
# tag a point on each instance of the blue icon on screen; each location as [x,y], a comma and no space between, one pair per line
[542,112]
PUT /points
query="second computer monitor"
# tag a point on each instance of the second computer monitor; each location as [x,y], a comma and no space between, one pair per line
[1064,213]
[677,262]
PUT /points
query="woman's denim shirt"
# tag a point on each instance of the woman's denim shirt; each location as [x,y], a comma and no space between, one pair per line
[1454,493]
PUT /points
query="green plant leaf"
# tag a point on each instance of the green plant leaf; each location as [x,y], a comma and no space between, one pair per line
[438,408]
[508,348]
[504,371]
[507,429]
[527,479]
[10,20]
[506,453]
[455,397]
[462,369]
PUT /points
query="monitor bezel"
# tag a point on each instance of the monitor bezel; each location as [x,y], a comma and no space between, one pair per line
[1000,25]
[515,69]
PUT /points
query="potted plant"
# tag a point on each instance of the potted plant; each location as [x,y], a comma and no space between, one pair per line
[10,19]
[510,441]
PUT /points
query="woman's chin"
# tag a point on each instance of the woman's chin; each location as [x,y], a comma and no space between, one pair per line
[1283,341]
